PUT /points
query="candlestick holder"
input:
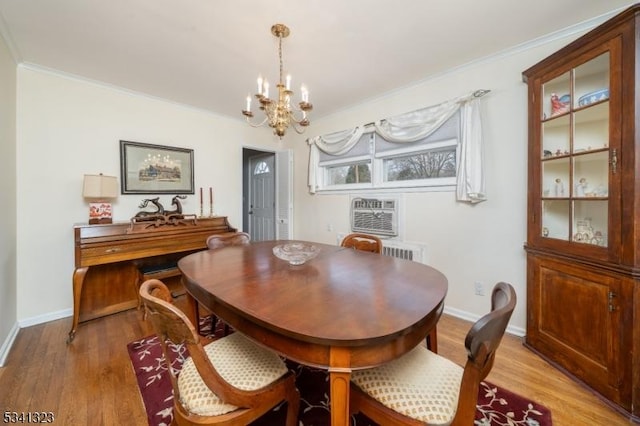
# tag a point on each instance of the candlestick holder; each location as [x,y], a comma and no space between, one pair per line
[211,209]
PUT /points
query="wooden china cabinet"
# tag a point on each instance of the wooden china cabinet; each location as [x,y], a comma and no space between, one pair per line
[583,236]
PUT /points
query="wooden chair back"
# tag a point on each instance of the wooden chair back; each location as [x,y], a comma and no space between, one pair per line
[172,325]
[481,343]
[228,239]
[363,242]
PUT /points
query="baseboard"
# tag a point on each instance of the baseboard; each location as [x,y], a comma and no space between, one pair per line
[41,319]
[8,343]
[516,331]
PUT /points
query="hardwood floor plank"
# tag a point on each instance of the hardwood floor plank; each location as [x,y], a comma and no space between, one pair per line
[90,381]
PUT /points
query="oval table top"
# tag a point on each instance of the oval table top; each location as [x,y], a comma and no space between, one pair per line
[341,297]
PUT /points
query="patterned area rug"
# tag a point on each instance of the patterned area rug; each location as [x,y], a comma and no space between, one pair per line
[496,406]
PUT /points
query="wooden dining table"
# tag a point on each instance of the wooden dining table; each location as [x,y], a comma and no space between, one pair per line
[342,310]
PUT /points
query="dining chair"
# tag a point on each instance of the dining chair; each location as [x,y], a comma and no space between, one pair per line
[228,381]
[373,244]
[228,239]
[216,241]
[423,388]
[363,242]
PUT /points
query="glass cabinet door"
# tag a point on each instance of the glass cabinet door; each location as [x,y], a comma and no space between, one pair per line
[575,154]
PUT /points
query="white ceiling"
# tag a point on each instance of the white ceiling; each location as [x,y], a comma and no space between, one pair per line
[208,54]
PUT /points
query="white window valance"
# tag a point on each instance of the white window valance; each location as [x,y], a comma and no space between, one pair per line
[414,126]
[337,143]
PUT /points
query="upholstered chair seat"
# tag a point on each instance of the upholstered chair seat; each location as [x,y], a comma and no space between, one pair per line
[240,362]
[420,384]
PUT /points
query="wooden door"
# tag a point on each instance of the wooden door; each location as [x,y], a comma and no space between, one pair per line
[262,198]
[574,318]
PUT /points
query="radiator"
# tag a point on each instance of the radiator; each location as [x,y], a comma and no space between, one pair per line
[400,249]
[405,250]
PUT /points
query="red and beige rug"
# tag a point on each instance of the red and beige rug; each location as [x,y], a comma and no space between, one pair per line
[496,406]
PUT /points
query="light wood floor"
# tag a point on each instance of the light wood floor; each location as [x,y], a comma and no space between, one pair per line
[91,381]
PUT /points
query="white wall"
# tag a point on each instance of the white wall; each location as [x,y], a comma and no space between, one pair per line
[68,127]
[7,199]
[468,243]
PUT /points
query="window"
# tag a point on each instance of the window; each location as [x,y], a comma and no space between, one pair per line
[423,165]
[261,168]
[349,173]
[374,162]
[433,147]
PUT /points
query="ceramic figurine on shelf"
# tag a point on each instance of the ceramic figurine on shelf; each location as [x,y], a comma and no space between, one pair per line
[582,188]
[559,188]
[599,238]
[559,105]
[601,191]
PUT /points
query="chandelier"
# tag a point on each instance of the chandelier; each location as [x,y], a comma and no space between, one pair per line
[279,112]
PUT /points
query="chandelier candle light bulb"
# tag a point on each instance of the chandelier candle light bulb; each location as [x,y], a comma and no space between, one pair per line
[280,113]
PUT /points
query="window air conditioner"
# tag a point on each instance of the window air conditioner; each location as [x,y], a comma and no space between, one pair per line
[374,216]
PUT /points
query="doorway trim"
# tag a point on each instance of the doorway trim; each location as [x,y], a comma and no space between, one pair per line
[283,189]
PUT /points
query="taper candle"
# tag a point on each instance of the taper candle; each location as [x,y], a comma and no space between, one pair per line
[210,201]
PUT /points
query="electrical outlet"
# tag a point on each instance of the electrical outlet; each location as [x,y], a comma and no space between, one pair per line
[479,288]
[329,227]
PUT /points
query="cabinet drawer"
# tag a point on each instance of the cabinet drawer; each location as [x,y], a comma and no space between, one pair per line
[98,254]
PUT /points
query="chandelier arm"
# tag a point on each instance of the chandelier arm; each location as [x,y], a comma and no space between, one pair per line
[296,119]
[256,124]
[299,130]
[294,108]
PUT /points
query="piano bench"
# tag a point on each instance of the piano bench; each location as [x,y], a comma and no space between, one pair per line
[158,272]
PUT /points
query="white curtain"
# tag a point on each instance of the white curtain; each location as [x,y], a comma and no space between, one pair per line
[470,174]
[337,143]
[415,126]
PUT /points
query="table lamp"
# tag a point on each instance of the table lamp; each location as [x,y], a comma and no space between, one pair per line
[99,189]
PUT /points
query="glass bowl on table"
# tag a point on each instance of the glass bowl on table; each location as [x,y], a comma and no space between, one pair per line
[296,253]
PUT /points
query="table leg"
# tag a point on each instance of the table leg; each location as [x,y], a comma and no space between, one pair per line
[78,282]
[339,379]
[192,311]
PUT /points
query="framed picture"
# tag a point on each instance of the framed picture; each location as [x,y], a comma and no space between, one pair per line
[155,169]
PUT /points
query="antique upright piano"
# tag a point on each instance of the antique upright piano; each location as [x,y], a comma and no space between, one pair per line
[108,259]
